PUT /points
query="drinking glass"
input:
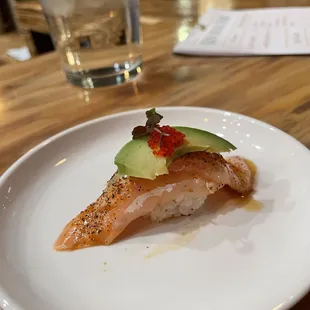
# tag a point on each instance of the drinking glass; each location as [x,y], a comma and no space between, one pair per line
[99,41]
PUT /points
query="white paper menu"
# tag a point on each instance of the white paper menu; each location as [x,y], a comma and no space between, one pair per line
[273,31]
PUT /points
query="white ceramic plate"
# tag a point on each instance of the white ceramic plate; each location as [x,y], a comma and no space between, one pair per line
[231,259]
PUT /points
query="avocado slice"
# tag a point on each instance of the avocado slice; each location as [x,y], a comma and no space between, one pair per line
[206,140]
[136,158]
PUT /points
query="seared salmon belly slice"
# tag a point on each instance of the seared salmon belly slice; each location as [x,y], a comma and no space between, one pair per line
[191,179]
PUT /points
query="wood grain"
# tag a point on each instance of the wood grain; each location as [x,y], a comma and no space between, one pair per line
[36,102]
[29,16]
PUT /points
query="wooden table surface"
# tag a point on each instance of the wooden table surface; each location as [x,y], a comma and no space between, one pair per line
[36,102]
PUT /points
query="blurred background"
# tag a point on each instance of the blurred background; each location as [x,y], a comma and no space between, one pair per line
[23,24]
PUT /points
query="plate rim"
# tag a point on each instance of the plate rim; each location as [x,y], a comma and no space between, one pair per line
[12,168]
[64,132]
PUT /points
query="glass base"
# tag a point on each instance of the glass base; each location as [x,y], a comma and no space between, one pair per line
[118,74]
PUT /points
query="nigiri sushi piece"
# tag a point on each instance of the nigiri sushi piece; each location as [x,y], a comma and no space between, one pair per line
[181,191]
[162,172]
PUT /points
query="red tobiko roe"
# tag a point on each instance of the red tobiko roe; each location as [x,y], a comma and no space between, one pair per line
[165,144]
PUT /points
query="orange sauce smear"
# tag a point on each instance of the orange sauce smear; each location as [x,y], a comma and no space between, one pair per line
[248,202]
